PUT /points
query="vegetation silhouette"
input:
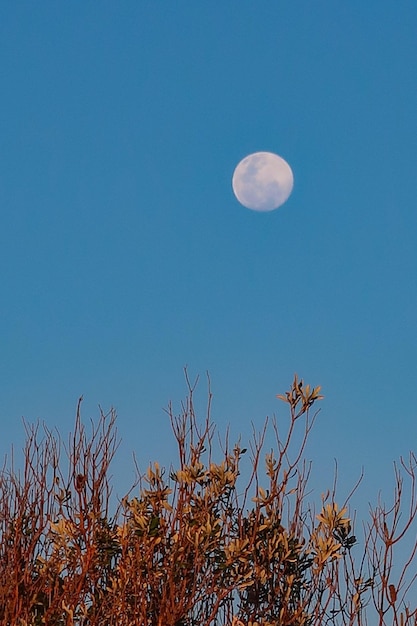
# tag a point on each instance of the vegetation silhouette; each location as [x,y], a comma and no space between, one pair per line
[193,548]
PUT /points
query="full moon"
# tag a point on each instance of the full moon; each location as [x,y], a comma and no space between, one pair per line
[262,181]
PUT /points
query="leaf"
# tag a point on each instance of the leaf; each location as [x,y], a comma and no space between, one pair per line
[392,593]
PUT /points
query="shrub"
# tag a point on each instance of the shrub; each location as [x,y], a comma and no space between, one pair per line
[194,547]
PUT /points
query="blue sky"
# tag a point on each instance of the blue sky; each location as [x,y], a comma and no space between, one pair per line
[125,255]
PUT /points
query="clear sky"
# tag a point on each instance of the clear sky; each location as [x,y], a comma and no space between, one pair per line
[125,256]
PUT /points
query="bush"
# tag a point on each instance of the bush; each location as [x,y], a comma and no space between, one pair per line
[193,547]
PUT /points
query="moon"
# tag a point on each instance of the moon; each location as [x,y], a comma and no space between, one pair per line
[262,181]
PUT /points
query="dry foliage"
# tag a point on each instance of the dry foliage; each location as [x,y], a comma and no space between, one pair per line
[193,548]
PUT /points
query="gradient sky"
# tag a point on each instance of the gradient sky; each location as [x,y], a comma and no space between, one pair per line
[125,256]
